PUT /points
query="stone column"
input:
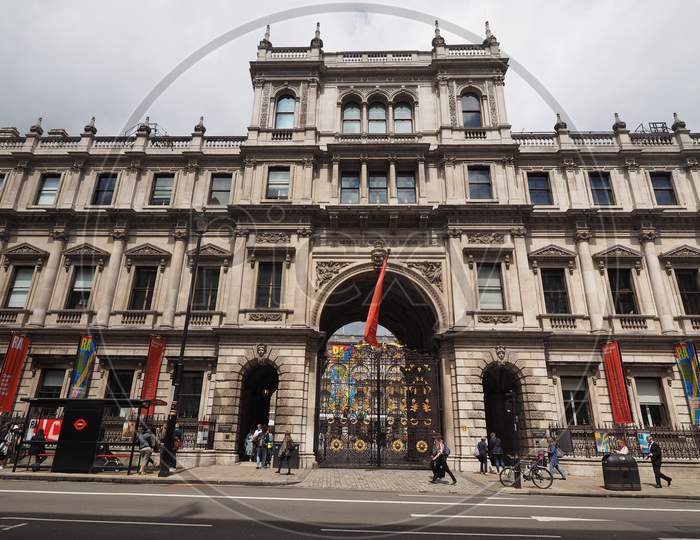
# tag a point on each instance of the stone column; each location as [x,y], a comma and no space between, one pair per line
[301,276]
[174,277]
[390,118]
[658,287]
[590,280]
[450,186]
[14,182]
[393,194]
[111,277]
[236,276]
[48,277]
[421,187]
[247,184]
[364,122]
[335,179]
[461,294]
[126,188]
[312,97]
[69,189]
[526,281]
[444,103]
[307,178]
[364,197]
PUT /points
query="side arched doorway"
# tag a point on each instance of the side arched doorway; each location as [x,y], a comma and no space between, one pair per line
[503,405]
[379,407]
[257,393]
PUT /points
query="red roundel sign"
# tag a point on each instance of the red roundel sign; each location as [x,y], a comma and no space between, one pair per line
[80,424]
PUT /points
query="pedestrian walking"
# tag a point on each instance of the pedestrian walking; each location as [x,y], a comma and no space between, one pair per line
[148,443]
[554,453]
[440,466]
[656,454]
[249,446]
[285,453]
[260,441]
[37,448]
[8,443]
[270,447]
[496,452]
[483,450]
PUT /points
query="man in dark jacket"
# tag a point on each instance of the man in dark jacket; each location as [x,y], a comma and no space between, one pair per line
[496,452]
[656,458]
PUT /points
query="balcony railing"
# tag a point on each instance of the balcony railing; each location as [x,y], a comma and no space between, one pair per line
[677,443]
[14,317]
[69,317]
[564,322]
[689,323]
[135,318]
[633,323]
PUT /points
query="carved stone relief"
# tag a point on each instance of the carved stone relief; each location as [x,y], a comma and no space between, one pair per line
[272,237]
[327,270]
[485,238]
[432,271]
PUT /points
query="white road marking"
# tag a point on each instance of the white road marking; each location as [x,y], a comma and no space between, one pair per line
[111,522]
[673,538]
[438,533]
[341,501]
[536,518]
[10,527]
[491,498]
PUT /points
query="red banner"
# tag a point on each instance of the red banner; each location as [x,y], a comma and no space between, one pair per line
[612,363]
[156,348]
[11,372]
[373,315]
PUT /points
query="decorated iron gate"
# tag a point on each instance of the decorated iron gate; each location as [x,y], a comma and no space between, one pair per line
[377,407]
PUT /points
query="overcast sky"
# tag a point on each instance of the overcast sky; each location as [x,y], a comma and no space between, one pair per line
[69,60]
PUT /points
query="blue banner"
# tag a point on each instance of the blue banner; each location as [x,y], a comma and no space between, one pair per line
[82,371]
[689,366]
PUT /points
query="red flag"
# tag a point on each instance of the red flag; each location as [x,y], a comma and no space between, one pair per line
[612,363]
[373,315]
[12,367]
[156,348]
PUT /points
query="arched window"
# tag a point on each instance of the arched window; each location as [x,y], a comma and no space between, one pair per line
[377,118]
[471,111]
[352,118]
[284,113]
[403,118]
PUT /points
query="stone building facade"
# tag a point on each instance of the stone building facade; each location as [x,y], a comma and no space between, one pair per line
[512,256]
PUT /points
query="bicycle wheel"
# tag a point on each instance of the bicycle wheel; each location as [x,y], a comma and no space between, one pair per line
[541,477]
[507,477]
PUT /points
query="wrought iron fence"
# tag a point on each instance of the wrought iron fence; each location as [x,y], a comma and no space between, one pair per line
[676,443]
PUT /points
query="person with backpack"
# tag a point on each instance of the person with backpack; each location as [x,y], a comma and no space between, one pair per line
[441,465]
[285,452]
[496,452]
[482,450]
[261,448]
[148,443]
[554,453]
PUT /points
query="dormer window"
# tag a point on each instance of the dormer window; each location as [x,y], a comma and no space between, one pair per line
[352,118]
[403,118]
[284,113]
[471,111]
[377,118]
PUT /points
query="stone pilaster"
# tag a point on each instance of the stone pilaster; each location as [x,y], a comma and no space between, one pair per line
[526,283]
[393,194]
[590,280]
[175,277]
[301,276]
[658,285]
[235,276]
[48,277]
[111,277]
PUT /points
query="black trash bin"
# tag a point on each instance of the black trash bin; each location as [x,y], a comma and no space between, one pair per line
[620,473]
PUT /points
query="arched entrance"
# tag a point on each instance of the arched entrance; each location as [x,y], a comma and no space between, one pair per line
[379,407]
[259,388]
[503,405]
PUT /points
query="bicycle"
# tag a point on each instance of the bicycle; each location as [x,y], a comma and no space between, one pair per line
[538,474]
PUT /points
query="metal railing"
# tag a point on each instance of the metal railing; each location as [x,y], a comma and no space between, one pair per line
[676,443]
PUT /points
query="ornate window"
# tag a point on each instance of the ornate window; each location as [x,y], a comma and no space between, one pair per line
[269,289]
[162,190]
[206,288]
[377,188]
[406,187]
[278,184]
[220,190]
[622,290]
[490,286]
[284,113]
[48,189]
[377,117]
[540,190]
[471,111]
[403,117]
[79,295]
[689,287]
[601,188]
[352,118]
[480,183]
[663,188]
[142,288]
[556,297]
[18,292]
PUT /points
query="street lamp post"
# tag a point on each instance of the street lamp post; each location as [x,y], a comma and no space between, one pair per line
[167,458]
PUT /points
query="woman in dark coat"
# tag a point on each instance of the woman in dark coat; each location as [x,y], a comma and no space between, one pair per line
[483,450]
[37,448]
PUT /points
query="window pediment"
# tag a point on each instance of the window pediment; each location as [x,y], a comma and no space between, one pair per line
[283,253]
[554,255]
[146,253]
[681,255]
[24,253]
[211,254]
[85,253]
[618,256]
[481,253]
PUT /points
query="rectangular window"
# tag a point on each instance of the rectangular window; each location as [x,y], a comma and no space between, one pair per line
[162,189]
[689,287]
[577,408]
[48,189]
[406,188]
[540,191]
[490,286]
[190,394]
[220,191]
[51,383]
[2,181]
[104,190]
[663,188]
[349,188]
[556,298]
[119,387]
[622,291]
[19,290]
[206,289]
[650,402]
[79,295]
[377,189]
[278,184]
[142,288]
[269,288]
[479,183]
[601,188]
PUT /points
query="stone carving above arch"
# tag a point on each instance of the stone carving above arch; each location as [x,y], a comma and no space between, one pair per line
[431,270]
[258,355]
[327,270]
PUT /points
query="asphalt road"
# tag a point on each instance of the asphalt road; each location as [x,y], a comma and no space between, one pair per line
[70,510]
